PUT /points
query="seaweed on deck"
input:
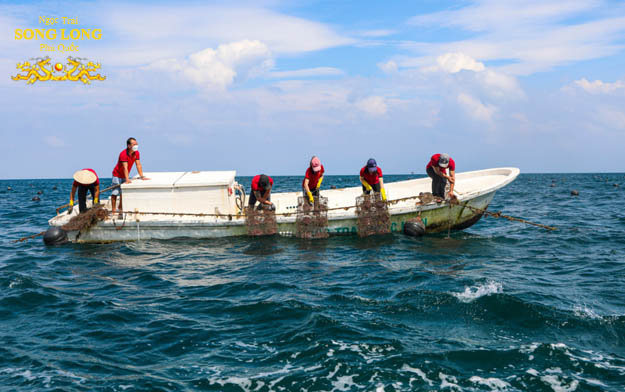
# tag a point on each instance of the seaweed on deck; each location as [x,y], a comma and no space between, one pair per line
[312,219]
[373,215]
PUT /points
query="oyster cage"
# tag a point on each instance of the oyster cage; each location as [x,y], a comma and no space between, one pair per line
[260,222]
[373,215]
[312,219]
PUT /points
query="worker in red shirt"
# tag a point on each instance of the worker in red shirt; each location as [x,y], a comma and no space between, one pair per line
[312,180]
[371,178]
[84,180]
[261,192]
[437,170]
[122,170]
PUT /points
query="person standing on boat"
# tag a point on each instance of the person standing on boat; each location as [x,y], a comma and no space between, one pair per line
[312,180]
[436,169]
[261,191]
[371,178]
[122,170]
[84,180]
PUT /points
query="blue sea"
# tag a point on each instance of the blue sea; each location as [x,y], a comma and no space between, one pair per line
[500,306]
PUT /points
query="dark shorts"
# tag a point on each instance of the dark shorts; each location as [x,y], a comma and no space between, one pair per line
[438,183]
[82,196]
[315,193]
[375,187]
[253,198]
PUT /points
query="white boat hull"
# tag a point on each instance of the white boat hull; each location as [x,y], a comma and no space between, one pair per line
[476,190]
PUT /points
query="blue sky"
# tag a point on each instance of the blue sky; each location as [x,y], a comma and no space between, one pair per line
[262,86]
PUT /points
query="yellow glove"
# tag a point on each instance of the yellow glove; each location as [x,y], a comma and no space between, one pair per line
[319,183]
[367,186]
[310,197]
[96,201]
[383,192]
[71,202]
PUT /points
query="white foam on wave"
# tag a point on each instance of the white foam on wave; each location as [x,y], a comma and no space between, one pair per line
[45,376]
[418,372]
[345,383]
[558,384]
[449,382]
[583,311]
[472,293]
[493,383]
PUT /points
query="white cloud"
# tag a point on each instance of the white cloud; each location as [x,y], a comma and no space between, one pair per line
[217,68]
[475,108]
[215,24]
[530,35]
[599,87]
[54,141]
[388,67]
[456,62]
[307,72]
[375,105]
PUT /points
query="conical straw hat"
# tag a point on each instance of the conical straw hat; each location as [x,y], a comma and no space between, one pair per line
[85,177]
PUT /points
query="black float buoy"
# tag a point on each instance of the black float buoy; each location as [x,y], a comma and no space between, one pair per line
[54,188]
[414,228]
[55,236]
[574,193]
[40,192]
[35,198]
[615,185]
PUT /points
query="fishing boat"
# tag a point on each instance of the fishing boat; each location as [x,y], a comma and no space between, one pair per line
[209,204]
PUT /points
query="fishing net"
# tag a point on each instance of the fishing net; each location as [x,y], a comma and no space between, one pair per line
[312,219]
[87,219]
[260,222]
[373,215]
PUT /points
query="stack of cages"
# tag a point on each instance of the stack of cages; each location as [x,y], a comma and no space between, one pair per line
[373,215]
[312,219]
[260,222]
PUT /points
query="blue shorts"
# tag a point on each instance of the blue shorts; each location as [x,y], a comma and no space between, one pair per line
[117,191]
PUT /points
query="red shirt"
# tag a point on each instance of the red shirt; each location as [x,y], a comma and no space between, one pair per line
[434,162]
[256,187]
[313,177]
[371,178]
[97,180]
[124,157]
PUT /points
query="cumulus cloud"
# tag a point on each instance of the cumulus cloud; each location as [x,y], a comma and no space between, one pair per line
[475,108]
[374,105]
[218,68]
[456,62]
[598,86]
[388,67]
[530,35]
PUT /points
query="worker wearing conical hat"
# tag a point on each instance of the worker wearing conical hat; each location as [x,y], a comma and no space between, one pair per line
[437,170]
[84,180]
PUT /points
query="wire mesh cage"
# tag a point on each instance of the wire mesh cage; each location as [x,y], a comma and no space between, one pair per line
[312,219]
[260,222]
[373,215]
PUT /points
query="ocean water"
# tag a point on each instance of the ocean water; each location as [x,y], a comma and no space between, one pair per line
[500,306]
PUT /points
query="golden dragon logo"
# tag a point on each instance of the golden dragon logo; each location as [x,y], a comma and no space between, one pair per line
[75,70]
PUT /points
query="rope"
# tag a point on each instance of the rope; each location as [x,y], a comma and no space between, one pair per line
[498,214]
